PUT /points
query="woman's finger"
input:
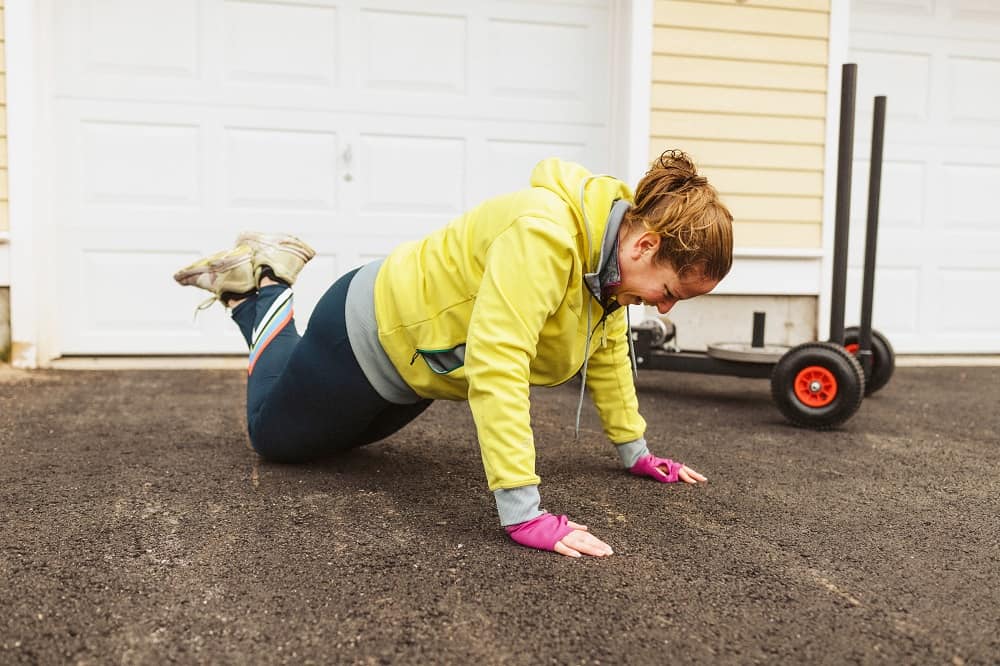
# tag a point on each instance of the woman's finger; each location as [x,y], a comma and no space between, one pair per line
[688,475]
[576,526]
[586,543]
[563,549]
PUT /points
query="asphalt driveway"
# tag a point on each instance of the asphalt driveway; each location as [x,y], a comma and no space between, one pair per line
[137,527]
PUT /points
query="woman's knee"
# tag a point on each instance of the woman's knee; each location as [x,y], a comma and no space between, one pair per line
[282,452]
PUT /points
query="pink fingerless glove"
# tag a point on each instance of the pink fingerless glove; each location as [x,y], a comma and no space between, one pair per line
[543,532]
[648,465]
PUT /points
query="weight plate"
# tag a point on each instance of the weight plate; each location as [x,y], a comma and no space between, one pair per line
[744,352]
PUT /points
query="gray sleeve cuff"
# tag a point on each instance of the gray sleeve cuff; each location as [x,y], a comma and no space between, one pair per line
[629,452]
[516,505]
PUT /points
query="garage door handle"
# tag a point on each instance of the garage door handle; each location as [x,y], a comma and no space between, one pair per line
[347,157]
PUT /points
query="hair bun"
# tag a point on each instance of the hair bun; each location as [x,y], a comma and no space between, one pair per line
[676,160]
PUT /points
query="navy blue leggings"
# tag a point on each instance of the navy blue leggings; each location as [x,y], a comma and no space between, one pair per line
[307,397]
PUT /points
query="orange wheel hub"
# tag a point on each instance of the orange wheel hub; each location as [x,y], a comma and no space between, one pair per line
[815,386]
[853,348]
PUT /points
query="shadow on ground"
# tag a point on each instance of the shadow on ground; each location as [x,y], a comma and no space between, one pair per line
[137,527]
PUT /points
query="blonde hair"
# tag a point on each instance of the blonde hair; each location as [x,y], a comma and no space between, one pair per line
[695,227]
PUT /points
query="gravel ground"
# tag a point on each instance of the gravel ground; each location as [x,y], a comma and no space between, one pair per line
[137,527]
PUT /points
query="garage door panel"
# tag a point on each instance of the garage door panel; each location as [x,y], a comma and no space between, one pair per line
[511,160]
[976,312]
[139,163]
[896,307]
[967,210]
[903,77]
[124,276]
[149,38]
[392,37]
[901,199]
[124,299]
[269,167]
[517,72]
[408,174]
[253,55]
[972,98]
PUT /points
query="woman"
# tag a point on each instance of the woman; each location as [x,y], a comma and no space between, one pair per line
[525,289]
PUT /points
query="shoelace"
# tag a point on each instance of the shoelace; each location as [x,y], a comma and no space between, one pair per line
[206,304]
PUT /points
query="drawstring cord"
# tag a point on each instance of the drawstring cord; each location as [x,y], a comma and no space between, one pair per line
[590,316]
[631,349]
[583,374]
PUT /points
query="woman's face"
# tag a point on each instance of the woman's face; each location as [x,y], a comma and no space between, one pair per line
[644,281]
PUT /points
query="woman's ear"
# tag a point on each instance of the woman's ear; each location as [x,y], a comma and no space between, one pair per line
[647,243]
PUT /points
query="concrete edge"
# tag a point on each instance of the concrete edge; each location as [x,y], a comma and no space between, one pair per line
[240,362]
[149,363]
[944,360]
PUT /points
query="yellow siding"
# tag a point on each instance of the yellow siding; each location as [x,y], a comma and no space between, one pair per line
[764,181]
[740,46]
[742,88]
[814,5]
[726,99]
[776,235]
[4,225]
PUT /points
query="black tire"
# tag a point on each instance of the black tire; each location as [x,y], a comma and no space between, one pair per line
[829,408]
[883,358]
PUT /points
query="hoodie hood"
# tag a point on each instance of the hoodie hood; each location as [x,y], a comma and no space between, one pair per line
[589,196]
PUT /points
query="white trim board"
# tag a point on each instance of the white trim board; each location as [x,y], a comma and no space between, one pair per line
[4,259]
[4,267]
[20,20]
[839,35]
[773,272]
[639,70]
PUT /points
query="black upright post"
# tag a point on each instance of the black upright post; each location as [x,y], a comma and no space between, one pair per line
[758,330]
[871,236]
[842,220]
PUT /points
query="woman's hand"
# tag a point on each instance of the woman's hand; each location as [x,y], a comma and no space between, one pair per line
[558,533]
[581,542]
[665,470]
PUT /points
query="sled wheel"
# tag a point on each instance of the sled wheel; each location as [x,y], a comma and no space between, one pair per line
[883,357]
[817,385]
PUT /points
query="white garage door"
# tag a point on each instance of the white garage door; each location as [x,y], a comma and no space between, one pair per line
[939,249]
[178,123]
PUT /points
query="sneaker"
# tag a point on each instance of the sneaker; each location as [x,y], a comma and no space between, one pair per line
[226,274]
[284,254]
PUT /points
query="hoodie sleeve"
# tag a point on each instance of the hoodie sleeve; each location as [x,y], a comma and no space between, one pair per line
[525,278]
[609,379]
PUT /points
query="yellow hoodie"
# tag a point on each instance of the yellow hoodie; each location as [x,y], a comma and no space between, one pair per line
[503,283]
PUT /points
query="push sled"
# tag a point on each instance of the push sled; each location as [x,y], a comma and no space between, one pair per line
[819,384]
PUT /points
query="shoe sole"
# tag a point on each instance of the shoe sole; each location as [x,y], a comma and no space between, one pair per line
[287,243]
[219,266]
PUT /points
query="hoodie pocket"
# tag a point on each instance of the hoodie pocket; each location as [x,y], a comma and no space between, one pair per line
[442,361]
